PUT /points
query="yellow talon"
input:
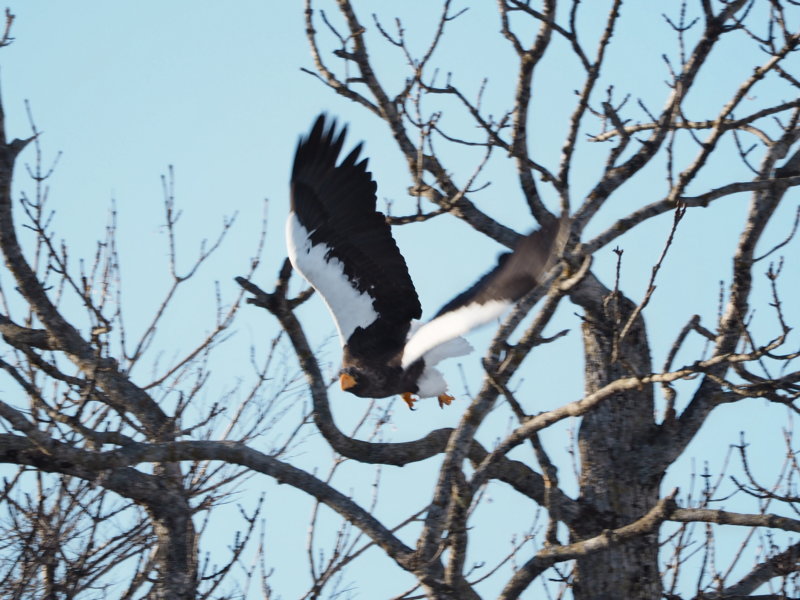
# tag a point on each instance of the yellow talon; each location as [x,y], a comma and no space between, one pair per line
[409,399]
[445,400]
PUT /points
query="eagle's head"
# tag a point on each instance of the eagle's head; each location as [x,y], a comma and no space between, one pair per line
[379,380]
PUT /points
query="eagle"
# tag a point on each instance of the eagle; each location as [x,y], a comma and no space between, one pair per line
[343,246]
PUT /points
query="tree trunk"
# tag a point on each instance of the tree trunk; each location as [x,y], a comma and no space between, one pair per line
[176,555]
[618,482]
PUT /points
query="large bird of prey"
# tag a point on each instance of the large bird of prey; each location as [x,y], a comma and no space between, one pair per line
[341,243]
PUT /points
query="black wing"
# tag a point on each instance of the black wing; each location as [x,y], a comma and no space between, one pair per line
[348,238]
[516,274]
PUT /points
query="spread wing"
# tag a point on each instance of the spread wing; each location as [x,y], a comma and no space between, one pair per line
[342,245]
[516,274]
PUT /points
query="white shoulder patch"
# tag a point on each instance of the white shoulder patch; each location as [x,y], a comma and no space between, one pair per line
[349,307]
[448,327]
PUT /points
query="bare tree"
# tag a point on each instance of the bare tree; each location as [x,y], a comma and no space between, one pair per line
[98,440]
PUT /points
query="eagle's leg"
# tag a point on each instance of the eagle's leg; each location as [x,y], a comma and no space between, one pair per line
[409,399]
[445,400]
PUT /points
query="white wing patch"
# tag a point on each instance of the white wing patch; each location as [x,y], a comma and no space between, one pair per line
[431,382]
[441,332]
[450,349]
[349,307]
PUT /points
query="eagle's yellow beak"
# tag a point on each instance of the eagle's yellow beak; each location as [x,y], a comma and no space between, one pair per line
[347,381]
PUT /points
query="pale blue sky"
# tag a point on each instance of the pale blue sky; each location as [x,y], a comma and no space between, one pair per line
[126,89]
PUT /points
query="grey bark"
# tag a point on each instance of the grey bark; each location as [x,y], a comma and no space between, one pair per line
[618,481]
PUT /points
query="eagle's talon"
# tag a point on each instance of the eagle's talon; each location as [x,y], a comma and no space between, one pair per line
[409,399]
[445,400]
